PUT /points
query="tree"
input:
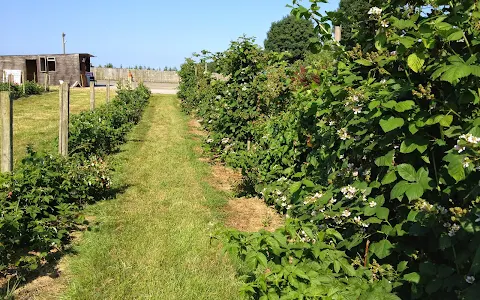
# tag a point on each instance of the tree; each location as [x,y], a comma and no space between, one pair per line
[290,34]
[353,16]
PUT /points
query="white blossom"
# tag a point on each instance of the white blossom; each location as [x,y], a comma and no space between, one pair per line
[332,201]
[210,141]
[357,110]
[331,123]
[357,219]
[453,230]
[346,213]
[466,162]
[372,204]
[470,279]
[385,23]
[442,209]
[470,138]
[355,173]
[375,11]
[459,148]
[343,134]
[349,191]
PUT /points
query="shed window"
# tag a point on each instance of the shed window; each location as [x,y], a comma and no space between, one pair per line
[48,64]
[43,64]
[51,64]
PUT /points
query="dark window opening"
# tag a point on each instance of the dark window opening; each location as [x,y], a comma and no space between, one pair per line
[51,64]
[43,64]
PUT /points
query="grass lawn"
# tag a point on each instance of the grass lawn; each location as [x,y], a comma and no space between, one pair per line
[36,118]
[152,242]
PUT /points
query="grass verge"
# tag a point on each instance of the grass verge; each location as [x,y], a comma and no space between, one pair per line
[152,242]
[36,118]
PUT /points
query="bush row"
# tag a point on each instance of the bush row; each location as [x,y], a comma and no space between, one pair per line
[373,159]
[41,201]
[16,90]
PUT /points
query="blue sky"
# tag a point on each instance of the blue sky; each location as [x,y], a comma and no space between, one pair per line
[153,33]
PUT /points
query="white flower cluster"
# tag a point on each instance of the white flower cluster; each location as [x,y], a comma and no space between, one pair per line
[312,199]
[442,210]
[225,140]
[425,206]
[358,220]
[305,238]
[470,138]
[375,11]
[349,191]
[343,134]
[470,279]
[452,229]
[384,23]
[354,103]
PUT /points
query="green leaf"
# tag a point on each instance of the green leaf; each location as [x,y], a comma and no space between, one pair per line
[382,213]
[364,62]
[262,259]
[414,191]
[446,121]
[407,172]
[386,160]
[403,24]
[391,124]
[415,62]
[382,249]
[412,277]
[408,146]
[308,183]
[412,128]
[455,36]
[399,190]
[455,168]
[389,177]
[456,72]
[402,266]
[295,187]
[404,105]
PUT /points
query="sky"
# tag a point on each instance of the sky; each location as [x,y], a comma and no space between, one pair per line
[152,33]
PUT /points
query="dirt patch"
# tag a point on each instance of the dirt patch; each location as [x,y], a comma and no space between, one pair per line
[195,128]
[48,286]
[224,178]
[251,215]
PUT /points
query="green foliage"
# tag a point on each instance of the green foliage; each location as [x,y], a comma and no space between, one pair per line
[290,35]
[16,90]
[42,199]
[101,131]
[353,17]
[381,151]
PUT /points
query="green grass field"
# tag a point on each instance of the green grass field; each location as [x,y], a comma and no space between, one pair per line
[36,118]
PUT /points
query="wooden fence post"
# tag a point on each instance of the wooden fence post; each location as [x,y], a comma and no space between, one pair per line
[338,33]
[7,131]
[46,81]
[64,97]
[23,81]
[108,91]
[92,96]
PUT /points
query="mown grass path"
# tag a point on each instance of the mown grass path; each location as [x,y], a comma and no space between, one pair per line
[152,242]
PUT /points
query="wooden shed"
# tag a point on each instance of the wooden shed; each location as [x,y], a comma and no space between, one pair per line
[52,67]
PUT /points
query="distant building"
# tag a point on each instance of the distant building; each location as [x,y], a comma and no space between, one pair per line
[67,67]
